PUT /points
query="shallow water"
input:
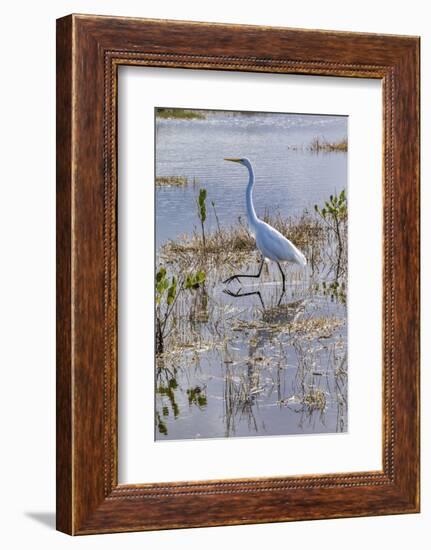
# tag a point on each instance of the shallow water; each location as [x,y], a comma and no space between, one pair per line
[287,180]
[255,379]
[265,363]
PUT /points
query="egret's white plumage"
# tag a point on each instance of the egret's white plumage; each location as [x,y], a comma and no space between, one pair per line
[274,246]
[270,242]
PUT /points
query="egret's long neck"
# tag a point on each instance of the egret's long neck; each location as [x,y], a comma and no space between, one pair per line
[251,213]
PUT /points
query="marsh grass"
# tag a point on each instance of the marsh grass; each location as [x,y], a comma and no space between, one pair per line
[185,114]
[321,145]
[234,244]
[171,181]
[312,328]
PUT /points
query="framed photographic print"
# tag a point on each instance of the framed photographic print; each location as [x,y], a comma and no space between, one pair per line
[237,274]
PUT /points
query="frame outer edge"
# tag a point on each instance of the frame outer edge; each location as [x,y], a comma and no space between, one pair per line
[407,269]
[64,368]
[81,506]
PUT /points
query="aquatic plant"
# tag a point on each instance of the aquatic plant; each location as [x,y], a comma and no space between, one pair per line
[334,215]
[216,216]
[202,213]
[167,293]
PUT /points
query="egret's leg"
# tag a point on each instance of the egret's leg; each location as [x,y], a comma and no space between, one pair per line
[282,274]
[281,297]
[238,277]
[239,294]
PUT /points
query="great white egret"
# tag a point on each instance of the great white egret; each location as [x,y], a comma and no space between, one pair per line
[270,242]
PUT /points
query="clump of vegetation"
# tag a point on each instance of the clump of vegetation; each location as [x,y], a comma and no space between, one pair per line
[313,327]
[334,214]
[171,181]
[196,396]
[235,239]
[186,114]
[335,290]
[321,145]
[315,399]
[167,293]
[194,281]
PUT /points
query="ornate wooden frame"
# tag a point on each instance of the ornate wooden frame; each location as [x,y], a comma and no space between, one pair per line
[89,51]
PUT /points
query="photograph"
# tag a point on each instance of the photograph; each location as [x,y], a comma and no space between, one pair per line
[251,273]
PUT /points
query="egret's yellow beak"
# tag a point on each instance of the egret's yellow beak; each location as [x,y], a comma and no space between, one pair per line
[234,160]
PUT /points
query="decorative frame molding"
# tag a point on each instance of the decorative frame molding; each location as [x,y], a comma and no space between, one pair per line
[89,51]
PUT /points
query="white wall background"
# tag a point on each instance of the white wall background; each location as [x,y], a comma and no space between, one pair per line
[27,279]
